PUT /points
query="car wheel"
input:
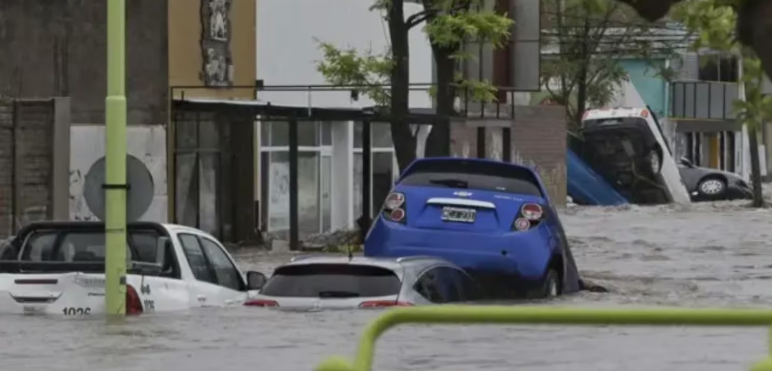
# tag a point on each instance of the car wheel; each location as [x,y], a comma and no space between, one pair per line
[712,187]
[551,285]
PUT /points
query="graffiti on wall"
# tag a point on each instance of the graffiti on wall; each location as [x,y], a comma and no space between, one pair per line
[78,208]
[215,43]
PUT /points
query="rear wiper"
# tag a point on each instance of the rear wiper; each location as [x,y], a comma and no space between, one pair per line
[455,183]
[338,294]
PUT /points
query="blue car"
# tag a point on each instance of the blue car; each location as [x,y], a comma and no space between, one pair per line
[493,219]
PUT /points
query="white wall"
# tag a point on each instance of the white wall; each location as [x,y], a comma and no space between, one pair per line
[627,96]
[287,50]
[87,145]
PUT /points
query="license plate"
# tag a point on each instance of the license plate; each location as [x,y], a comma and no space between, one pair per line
[456,214]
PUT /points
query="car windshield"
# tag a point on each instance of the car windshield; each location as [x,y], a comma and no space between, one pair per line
[487,176]
[73,246]
[332,281]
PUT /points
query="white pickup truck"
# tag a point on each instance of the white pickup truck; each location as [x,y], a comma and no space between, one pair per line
[58,268]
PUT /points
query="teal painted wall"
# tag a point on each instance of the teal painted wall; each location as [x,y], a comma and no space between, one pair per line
[651,87]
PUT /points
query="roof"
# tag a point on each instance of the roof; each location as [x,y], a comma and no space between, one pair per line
[265,109]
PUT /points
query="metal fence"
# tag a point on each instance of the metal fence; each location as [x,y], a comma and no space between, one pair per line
[460,315]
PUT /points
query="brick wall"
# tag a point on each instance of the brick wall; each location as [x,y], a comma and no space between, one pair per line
[59,48]
[538,139]
[26,162]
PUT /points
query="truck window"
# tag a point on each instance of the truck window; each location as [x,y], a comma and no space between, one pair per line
[88,246]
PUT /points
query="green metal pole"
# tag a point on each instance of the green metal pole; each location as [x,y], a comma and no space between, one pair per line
[115,148]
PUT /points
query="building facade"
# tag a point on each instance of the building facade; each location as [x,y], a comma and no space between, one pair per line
[330,152]
[58,49]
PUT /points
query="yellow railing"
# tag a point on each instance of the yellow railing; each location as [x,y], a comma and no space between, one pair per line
[547,315]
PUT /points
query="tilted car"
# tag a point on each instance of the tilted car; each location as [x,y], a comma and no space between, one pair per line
[58,268]
[493,219]
[627,147]
[325,282]
[706,184]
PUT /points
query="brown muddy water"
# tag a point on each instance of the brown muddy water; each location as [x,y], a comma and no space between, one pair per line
[702,255]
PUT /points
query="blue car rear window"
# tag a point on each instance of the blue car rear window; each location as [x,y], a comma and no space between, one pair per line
[472,175]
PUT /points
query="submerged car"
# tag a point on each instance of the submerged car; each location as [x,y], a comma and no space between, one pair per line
[324,282]
[706,184]
[58,268]
[627,148]
[491,218]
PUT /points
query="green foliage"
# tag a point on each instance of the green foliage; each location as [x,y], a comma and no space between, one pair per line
[451,30]
[449,24]
[348,67]
[590,37]
[711,23]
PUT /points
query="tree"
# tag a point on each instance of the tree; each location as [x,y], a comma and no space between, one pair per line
[449,25]
[714,23]
[753,24]
[591,37]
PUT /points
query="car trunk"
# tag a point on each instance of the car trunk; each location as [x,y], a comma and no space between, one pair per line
[330,286]
[313,304]
[468,196]
[51,293]
[459,210]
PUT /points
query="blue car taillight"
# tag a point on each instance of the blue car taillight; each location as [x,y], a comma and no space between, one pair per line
[530,215]
[394,208]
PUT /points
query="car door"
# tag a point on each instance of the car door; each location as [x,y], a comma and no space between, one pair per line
[467,288]
[690,175]
[427,285]
[208,289]
[444,284]
[227,275]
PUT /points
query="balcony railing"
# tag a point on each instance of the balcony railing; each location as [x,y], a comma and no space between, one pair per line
[703,100]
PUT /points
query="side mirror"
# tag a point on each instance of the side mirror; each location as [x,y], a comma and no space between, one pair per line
[255,280]
[685,161]
[163,246]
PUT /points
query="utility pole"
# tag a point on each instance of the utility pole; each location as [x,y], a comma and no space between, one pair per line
[115,161]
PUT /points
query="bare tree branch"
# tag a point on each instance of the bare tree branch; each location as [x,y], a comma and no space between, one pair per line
[419,17]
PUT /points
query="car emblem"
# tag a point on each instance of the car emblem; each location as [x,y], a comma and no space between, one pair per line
[462,194]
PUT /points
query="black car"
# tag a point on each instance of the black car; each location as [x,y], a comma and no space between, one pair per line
[705,184]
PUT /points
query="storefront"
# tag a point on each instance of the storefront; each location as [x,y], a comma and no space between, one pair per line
[325,149]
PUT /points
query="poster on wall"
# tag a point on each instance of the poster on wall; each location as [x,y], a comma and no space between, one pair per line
[146,143]
[278,203]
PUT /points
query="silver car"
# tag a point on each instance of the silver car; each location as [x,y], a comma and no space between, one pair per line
[326,282]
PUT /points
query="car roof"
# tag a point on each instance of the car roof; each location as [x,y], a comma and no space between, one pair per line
[470,159]
[387,263]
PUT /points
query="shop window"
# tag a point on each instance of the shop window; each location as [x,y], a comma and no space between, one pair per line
[716,67]
[314,176]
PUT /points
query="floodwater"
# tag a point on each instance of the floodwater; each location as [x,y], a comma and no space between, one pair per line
[700,255]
